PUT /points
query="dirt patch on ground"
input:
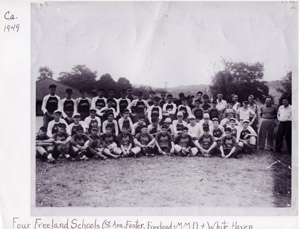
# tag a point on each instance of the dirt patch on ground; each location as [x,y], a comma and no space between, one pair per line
[166,182]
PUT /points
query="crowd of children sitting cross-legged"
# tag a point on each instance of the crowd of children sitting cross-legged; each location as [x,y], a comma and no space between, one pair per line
[85,139]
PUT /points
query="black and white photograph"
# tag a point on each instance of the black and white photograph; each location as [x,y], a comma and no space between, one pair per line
[164,104]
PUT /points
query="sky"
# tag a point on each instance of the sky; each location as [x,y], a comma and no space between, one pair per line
[151,43]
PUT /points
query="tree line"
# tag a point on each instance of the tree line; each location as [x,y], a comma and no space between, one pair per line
[240,78]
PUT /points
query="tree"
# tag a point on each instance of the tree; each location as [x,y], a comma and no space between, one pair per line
[241,79]
[81,77]
[124,83]
[45,72]
[286,87]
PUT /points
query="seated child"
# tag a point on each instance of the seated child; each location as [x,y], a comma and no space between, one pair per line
[247,136]
[110,146]
[184,145]
[79,143]
[164,142]
[44,145]
[206,143]
[95,148]
[145,141]
[61,141]
[229,147]
[125,141]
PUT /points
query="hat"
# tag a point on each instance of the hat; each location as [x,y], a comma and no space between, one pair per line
[232,119]
[192,117]
[57,111]
[179,113]
[246,121]
[230,111]
[93,109]
[215,119]
[168,120]
[206,116]
[76,114]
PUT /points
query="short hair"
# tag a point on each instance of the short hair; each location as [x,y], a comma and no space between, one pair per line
[214,101]
[129,88]
[251,96]
[52,86]
[184,98]
[154,119]
[162,92]
[181,94]
[140,93]
[164,126]
[110,100]
[199,92]
[79,128]
[156,98]
[284,97]
[151,92]
[125,126]
[43,128]
[126,110]
[205,96]
[69,91]
[227,129]
[141,117]
[62,125]
[82,90]
[185,128]
[111,89]
[110,113]
[108,126]
[170,96]
[100,89]
[144,126]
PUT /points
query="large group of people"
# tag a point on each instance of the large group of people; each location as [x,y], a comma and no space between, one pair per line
[131,126]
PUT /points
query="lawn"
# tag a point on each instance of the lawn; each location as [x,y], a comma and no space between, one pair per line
[165,181]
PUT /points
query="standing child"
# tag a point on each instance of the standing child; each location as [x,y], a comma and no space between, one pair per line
[170,107]
[51,103]
[184,108]
[68,105]
[164,141]
[83,105]
[44,145]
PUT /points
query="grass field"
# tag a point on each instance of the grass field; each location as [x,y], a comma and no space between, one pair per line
[165,181]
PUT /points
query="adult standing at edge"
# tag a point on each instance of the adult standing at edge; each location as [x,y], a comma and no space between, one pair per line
[284,116]
[221,105]
[51,103]
[268,114]
[253,106]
